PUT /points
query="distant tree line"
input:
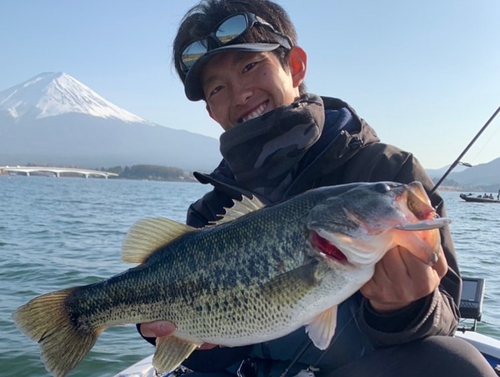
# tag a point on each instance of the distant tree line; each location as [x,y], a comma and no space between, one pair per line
[477,187]
[150,172]
[447,182]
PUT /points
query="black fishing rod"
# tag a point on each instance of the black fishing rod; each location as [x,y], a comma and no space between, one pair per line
[457,161]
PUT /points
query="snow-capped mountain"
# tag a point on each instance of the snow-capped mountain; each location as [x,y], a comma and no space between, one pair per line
[51,94]
[54,119]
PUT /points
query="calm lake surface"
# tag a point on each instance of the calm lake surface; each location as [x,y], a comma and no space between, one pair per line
[57,233]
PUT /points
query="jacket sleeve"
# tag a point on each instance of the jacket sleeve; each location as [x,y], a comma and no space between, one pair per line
[436,314]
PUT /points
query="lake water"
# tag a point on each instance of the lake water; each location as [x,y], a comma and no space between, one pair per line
[57,233]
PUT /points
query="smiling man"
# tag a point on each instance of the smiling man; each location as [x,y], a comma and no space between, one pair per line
[242,59]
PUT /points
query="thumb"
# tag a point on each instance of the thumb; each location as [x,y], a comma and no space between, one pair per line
[157,329]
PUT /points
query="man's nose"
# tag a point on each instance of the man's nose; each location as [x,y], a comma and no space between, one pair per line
[241,93]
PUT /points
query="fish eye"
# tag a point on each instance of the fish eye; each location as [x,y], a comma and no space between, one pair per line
[382,188]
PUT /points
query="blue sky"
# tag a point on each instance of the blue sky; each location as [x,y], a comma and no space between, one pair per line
[425,75]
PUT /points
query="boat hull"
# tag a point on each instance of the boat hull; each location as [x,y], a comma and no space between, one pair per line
[472,199]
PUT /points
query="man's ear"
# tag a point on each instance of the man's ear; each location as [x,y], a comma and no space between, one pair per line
[297,60]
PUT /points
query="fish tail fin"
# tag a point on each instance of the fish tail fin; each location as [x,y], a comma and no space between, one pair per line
[62,344]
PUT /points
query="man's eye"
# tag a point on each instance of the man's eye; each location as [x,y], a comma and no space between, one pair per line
[215,90]
[248,67]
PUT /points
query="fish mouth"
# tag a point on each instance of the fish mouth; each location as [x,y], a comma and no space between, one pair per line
[419,232]
[326,248]
[420,214]
[407,219]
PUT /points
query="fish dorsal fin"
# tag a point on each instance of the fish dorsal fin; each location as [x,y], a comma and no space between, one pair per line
[149,234]
[239,208]
[322,328]
[170,353]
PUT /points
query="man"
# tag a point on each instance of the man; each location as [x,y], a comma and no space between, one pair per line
[242,59]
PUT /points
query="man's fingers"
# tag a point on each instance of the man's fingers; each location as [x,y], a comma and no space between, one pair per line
[164,328]
[207,346]
[401,278]
[441,265]
[157,329]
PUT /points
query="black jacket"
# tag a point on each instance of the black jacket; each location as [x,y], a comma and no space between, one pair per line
[355,156]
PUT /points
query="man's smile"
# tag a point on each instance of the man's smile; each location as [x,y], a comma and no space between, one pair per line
[255,112]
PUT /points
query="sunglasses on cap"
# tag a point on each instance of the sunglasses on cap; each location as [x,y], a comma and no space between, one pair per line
[226,32]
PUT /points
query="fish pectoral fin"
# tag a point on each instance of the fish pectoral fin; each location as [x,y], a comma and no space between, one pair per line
[148,235]
[322,328]
[239,208]
[170,353]
[294,282]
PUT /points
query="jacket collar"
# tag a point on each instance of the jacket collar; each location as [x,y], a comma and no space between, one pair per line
[326,160]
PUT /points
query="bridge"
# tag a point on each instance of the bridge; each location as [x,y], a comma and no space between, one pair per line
[57,171]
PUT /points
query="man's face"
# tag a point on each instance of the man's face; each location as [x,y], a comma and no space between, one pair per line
[239,86]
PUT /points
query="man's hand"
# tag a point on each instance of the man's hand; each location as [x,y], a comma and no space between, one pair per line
[163,328]
[400,278]
[157,329]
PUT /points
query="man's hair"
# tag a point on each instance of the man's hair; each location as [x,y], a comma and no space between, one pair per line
[202,19]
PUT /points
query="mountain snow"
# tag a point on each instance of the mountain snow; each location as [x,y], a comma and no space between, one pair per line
[50,94]
[53,119]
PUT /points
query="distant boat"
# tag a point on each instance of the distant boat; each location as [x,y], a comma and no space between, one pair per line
[474,199]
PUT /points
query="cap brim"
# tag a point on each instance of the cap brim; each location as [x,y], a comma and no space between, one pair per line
[192,84]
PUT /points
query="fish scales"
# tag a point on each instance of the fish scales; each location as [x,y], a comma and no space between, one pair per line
[249,280]
[165,287]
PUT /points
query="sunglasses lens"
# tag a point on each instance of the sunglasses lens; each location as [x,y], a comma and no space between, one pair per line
[231,28]
[193,52]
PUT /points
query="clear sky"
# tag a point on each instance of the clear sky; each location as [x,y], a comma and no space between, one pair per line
[425,74]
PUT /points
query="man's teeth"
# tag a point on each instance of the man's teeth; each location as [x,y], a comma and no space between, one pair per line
[254,114]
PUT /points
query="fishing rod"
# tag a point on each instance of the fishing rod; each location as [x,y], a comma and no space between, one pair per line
[457,161]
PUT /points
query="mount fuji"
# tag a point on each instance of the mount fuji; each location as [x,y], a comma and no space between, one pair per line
[54,119]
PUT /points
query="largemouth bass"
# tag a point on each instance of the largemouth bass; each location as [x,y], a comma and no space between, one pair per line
[256,275]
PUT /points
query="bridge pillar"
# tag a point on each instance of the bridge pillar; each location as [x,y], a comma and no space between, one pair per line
[58,175]
[27,174]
